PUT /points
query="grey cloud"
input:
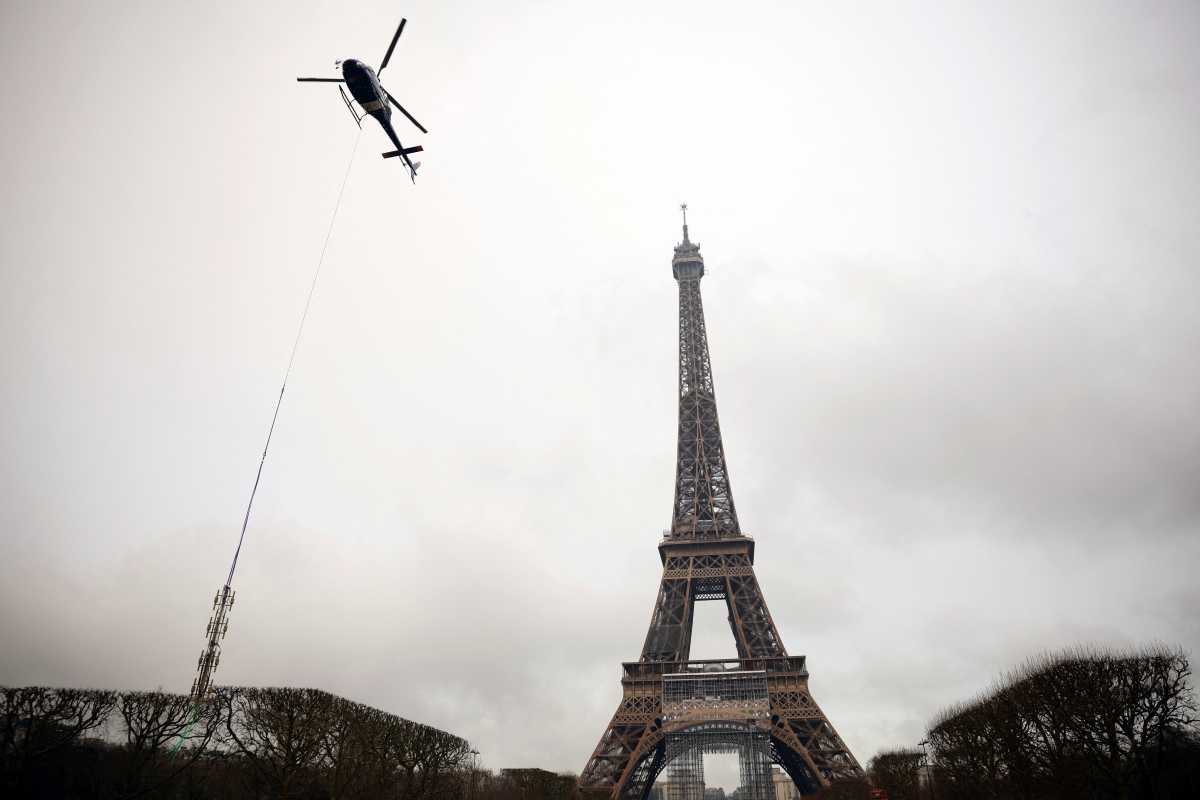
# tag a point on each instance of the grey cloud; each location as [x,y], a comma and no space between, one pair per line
[950,301]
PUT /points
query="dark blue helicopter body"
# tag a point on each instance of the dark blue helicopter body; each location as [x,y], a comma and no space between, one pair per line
[364,86]
[369,93]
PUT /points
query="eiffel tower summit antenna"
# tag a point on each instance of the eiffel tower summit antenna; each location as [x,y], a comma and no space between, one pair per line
[673,709]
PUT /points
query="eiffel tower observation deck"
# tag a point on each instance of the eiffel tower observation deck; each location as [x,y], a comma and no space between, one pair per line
[673,710]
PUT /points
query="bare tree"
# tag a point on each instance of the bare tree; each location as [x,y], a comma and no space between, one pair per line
[294,744]
[846,789]
[1081,724]
[279,733]
[898,773]
[39,722]
[164,735]
[343,750]
[413,761]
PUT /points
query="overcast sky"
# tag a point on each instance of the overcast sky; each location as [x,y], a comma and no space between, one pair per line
[952,299]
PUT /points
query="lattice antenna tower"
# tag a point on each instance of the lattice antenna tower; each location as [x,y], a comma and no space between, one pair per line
[210,657]
[218,623]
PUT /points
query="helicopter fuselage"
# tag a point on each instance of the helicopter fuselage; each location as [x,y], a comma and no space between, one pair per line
[369,93]
[364,85]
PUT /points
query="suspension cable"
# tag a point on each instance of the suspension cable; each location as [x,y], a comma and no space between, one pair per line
[292,358]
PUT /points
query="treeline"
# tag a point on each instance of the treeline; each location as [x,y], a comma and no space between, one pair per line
[521,784]
[299,744]
[1084,724]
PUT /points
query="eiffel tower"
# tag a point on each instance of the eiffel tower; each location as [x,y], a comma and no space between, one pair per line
[673,707]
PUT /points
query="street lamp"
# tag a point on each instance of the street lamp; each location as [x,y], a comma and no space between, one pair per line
[928,768]
[471,779]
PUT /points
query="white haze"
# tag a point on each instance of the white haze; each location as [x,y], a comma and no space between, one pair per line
[953,306]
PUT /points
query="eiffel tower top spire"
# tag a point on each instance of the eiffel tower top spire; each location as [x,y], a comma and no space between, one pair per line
[703,505]
[687,256]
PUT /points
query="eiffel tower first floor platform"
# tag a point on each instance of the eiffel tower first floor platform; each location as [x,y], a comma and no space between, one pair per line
[666,704]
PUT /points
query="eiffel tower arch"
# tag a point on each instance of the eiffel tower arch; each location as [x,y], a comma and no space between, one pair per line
[674,709]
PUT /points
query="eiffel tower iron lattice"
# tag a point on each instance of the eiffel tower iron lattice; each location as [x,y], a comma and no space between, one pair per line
[671,705]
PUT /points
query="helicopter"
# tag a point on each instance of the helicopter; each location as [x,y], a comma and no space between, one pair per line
[373,99]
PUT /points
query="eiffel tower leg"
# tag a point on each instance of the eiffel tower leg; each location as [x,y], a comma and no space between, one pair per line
[798,723]
[749,618]
[724,570]
[668,639]
[670,634]
[619,767]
